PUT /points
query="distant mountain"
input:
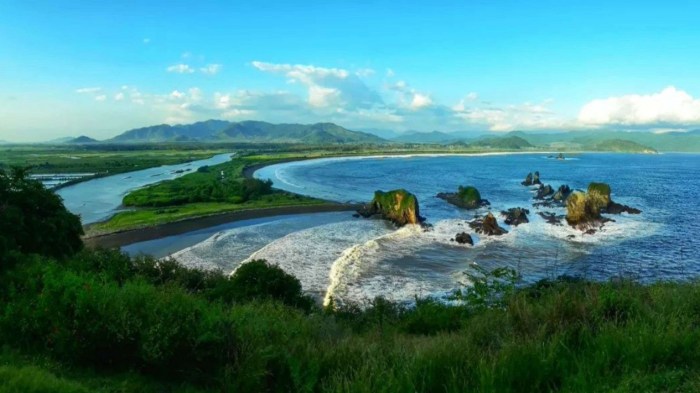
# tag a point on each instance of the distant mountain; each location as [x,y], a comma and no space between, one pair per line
[380,132]
[588,140]
[246,131]
[81,140]
[59,141]
[622,146]
[425,137]
[511,142]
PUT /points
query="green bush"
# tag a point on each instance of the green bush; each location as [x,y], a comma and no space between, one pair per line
[34,220]
[258,279]
[35,380]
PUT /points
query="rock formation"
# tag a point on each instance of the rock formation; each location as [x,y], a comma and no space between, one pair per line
[487,226]
[532,180]
[466,197]
[464,238]
[397,206]
[516,216]
[544,191]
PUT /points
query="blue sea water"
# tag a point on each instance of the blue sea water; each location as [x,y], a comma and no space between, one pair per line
[357,259]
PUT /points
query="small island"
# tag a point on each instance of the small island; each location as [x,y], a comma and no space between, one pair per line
[397,206]
[466,197]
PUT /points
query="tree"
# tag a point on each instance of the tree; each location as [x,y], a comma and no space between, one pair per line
[260,280]
[33,220]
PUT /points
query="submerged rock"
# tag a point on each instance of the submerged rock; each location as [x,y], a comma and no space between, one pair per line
[551,218]
[397,206]
[617,208]
[560,156]
[464,238]
[544,191]
[466,197]
[516,216]
[487,226]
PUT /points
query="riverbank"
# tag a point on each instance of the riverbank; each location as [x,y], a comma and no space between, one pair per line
[126,237]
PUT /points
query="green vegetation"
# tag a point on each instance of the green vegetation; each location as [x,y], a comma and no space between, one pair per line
[205,192]
[246,131]
[100,321]
[100,159]
[599,194]
[469,196]
[33,220]
[398,206]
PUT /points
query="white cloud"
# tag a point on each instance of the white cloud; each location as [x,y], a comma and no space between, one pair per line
[389,73]
[211,69]
[420,101]
[88,90]
[525,116]
[364,72]
[119,96]
[177,95]
[326,86]
[472,96]
[101,97]
[670,107]
[321,97]
[180,69]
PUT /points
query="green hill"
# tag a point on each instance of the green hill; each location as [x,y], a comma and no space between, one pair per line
[507,143]
[246,131]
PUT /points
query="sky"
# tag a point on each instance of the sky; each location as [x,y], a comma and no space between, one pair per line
[69,68]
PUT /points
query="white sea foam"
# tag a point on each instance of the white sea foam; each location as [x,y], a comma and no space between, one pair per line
[308,254]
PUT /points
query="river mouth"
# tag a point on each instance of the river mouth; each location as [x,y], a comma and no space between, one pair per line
[350,259]
[99,199]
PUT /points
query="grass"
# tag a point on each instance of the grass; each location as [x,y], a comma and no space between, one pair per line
[143,218]
[102,322]
[99,159]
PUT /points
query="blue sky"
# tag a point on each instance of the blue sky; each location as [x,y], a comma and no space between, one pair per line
[99,68]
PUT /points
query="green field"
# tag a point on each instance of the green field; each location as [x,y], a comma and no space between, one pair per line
[99,159]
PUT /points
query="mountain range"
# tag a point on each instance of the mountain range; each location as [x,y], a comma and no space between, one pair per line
[246,131]
[328,133]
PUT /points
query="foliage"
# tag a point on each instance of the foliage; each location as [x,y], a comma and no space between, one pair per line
[173,326]
[33,219]
[259,280]
[469,195]
[487,288]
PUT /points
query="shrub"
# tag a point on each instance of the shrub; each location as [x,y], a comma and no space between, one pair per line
[260,280]
[34,219]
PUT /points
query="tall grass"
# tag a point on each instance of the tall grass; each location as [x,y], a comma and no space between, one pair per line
[172,326]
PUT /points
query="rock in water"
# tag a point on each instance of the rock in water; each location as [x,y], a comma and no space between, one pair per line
[536,178]
[544,191]
[562,193]
[551,218]
[583,212]
[397,206]
[516,216]
[464,238]
[600,193]
[531,179]
[487,226]
[616,208]
[466,197]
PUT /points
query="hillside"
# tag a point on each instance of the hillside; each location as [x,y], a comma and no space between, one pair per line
[425,137]
[82,140]
[622,146]
[587,140]
[506,143]
[246,131]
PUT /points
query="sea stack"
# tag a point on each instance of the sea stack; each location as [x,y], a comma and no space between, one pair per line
[397,206]
[466,197]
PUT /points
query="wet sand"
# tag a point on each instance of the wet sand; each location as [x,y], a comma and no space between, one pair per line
[123,238]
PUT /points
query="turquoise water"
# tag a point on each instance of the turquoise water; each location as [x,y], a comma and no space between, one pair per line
[356,259]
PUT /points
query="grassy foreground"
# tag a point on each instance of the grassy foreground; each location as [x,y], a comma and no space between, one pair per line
[102,322]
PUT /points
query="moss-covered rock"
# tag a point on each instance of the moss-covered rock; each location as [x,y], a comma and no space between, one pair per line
[466,197]
[397,206]
[599,193]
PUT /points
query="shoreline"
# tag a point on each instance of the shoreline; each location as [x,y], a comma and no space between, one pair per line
[124,238]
